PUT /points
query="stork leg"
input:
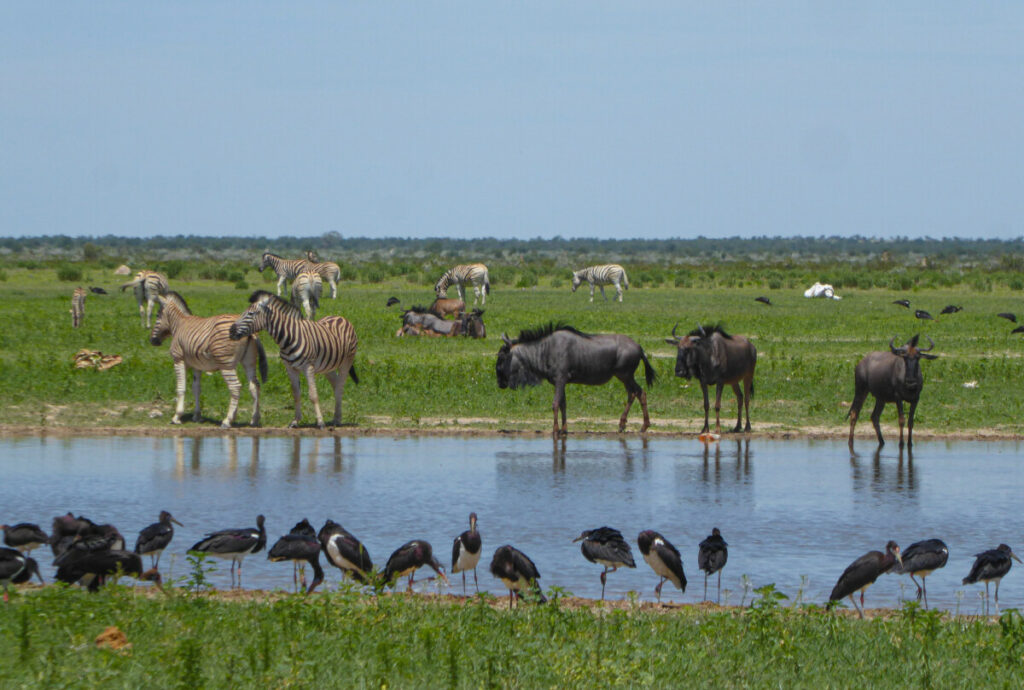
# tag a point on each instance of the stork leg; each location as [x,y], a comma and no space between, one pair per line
[997,595]
[604,578]
[862,599]
[705,585]
[986,597]
[657,590]
[413,575]
[924,590]
[854,600]
[719,586]
[475,583]
[463,582]
[919,589]
[511,596]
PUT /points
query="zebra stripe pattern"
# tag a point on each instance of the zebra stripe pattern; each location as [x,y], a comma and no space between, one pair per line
[306,290]
[328,270]
[461,275]
[607,274]
[77,306]
[286,269]
[147,286]
[204,344]
[327,346]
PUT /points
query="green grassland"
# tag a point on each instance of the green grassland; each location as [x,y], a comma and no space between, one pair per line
[806,353]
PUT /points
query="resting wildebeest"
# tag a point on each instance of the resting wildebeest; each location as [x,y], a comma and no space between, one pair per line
[419,321]
[562,355]
[893,376]
[715,357]
[473,324]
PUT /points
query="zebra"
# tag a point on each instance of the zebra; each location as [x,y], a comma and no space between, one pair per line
[327,346]
[78,306]
[286,269]
[328,270]
[601,276]
[306,290]
[147,285]
[462,274]
[203,344]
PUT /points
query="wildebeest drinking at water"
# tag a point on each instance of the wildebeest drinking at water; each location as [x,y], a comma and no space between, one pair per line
[562,355]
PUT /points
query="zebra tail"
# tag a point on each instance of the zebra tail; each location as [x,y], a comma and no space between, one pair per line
[625,280]
[261,357]
[487,286]
[352,373]
[649,374]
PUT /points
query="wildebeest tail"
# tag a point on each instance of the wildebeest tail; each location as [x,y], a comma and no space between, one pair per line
[352,373]
[261,357]
[649,373]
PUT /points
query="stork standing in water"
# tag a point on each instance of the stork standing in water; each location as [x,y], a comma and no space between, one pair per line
[515,569]
[409,558]
[345,552]
[466,552]
[991,565]
[24,537]
[16,567]
[300,545]
[712,555]
[663,558]
[234,545]
[605,546]
[154,539]
[96,566]
[863,572]
[922,558]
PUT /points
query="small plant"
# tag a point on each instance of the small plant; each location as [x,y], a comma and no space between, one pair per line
[69,274]
[527,279]
[241,284]
[201,567]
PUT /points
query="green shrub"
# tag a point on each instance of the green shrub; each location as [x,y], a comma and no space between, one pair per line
[90,252]
[556,281]
[3,275]
[240,284]
[373,275]
[69,273]
[172,269]
[527,279]
[349,272]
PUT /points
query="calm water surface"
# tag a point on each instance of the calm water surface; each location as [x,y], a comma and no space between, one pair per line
[787,508]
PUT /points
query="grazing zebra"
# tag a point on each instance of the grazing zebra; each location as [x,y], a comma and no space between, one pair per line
[328,270]
[306,290]
[462,274]
[286,269]
[601,276]
[327,346]
[203,344]
[147,286]
[77,306]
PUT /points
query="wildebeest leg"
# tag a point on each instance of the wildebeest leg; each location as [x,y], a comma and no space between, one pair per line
[876,414]
[901,418]
[704,390]
[633,391]
[643,406]
[910,424]
[739,405]
[179,390]
[858,401]
[748,393]
[293,377]
[235,391]
[558,404]
[197,384]
[718,408]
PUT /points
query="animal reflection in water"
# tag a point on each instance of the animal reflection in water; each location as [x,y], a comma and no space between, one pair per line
[885,476]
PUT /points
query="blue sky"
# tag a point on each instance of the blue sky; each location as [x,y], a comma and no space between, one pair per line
[526,119]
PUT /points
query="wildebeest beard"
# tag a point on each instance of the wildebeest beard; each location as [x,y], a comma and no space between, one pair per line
[513,372]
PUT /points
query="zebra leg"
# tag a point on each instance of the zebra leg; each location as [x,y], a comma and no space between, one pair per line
[602,293]
[197,384]
[254,391]
[280,284]
[149,309]
[618,290]
[337,380]
[334,288]
[314,397]
[235,389]
[591,292]
[179,390]
[293,377]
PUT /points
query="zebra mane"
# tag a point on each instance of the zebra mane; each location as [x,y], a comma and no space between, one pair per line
[281,305]
[532,335]
[711,330]
[178,300]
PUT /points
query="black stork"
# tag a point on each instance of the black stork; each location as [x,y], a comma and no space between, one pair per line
[1018,329]
[299,545]
[16,567]
[301,528]
[951,309]
[664,559]
[345,552]
[712,554]
[905,303]
[922,314]
[605,546]
[922,558]
[154,539]
[97,290]
[1008,316]
[863,572]
[64,530]
[24,536]
[466,552]
[991,565]
[515,569]
[96,566]
[763,300]
[234,544]
[409,558]
[393,300]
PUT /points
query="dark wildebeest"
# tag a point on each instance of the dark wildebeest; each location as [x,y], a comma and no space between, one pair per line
[715,357]
[473,324]
[419,321]
[893,376]
[562,355]
[443,306]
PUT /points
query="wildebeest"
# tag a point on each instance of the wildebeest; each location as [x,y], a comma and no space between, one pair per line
[561,355]
[712,356]
[443,306]
[473,324]
[417,321]
[893,376]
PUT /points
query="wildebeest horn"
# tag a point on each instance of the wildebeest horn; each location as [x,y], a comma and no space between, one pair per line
[891,348]
[921,349]
[674,332]
[913,340]
[701,329]
[505,339]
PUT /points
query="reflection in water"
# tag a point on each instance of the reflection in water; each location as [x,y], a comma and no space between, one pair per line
[558,455]
[741,471]
[884,476]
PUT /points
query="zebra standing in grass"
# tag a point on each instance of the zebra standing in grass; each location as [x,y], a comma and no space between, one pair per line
[328,270]
[601,276]
[460,276]
[286,269]
[327,346]
[204,344]
[147,286]
[306,290]
[77,306]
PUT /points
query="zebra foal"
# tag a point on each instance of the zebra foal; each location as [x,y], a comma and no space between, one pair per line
[602,275]
[147,286]
[77,306]
[328,270]
[460,276]
[327,346]
[306,290]
[286,269]
[204,344]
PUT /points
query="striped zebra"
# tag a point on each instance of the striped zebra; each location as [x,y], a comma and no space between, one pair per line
[327,346]
[460,276]
[328,270]
[147,286]
[286,269]
[203,344]
[601,276]
[306,290]
[77,306]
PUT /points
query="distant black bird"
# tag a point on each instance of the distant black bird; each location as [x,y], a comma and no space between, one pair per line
[763,300]
[466,552]
[951,309]
[991,565]
[712,555]
[345,552]
[862,573]
[64,530]
[299,545]
[83,545]
[98,290]
[94,567]
[16,567]
[234,544]
[1008,316]
[663,558]
[302,528]
[393,300]
[24,536]
[154,539]
[903,303]
[922,558]
[515,569]
[605,546]
[1018,329]
[409,558]
[922,314]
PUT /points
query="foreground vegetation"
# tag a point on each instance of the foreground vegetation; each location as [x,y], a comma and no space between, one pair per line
[347,640]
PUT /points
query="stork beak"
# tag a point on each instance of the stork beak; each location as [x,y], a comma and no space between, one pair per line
[579,538]
[176,522]
[1014,556]
[899,559]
